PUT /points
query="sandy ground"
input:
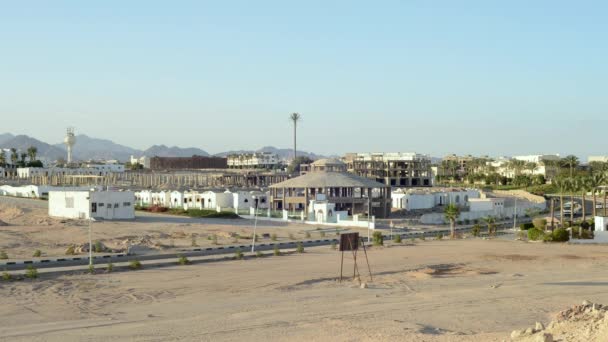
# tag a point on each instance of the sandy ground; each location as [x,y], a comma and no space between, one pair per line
[30,229]
[463,290]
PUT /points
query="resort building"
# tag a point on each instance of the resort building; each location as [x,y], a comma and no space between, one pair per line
[258,160]
[393,169]
[420,199]
[188,163]
[350,193]
[107,205]
[143,160]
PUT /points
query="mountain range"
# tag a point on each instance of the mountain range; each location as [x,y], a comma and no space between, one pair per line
[88,148]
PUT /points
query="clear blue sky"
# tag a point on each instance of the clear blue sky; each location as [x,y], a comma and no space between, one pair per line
[437,77]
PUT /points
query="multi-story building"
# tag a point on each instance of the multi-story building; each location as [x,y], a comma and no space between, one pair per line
[188,163]
[393,169]
[258,160]
[143,160]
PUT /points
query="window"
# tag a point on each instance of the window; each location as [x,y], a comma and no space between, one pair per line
[69,202]
[126,204]
[115,205]
[94,207]
[101,204]
[246,200]
[263,200]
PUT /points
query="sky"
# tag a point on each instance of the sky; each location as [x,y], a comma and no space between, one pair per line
[433,77]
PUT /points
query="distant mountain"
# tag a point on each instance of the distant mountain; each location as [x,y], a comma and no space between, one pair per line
[87,148]
[283,153]
[5,137]
[164,151]
[23,142]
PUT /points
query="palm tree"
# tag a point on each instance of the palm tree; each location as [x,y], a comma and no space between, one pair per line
[2,158]
[562,186]
[583,186]
[14,156]
[23,155]
[295,118]
[572,187]
[570,162]
[531,166]
[452,212]
[516,165]
[594,183]
[32,151]
[491,223]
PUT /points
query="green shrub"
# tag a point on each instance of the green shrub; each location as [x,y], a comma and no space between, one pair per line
[238,255]
[476,230]
[535,234]
[214,239]
[397,238]
[6,276]
[182,260]
[522,234]
[259,254]
[300,248]
[526,226]
[560,235]
[110,267]
[37,254]
[31,272]
[276,251]
[539,223]
[322,233]
[547,237]
[273,237]
[135,264]
[71,250]
[3,255]
[98,247]
[91,269]
[422,238]
[378,239]
[413,239]
[307,235]
[438,236]
[467,221]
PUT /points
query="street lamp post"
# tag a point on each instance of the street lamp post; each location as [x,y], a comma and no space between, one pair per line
[255,222]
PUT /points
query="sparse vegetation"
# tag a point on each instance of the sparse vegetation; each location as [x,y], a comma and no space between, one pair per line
[334,246]
[193,242]
[31,272]
[378,239]
[3,255]
[276,251]
[300,248]
[259,254]
[238,255]
[539,223]
[98,247]
[135,264]
[273,237]
[71,250]
[182,260]
[91,269]
[110,267]
[6,276]
[560,235]
[37,254]
[397,238]
[322,233]
[438,236]
[214,239]
[476,230]
[307,235]
[535,234]
[291,237]
[422,237]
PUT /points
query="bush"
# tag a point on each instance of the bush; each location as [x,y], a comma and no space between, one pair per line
[91,269]
[135,264]
[467,221]
[307,235]
[37,254]
[193,242]
[526,226]
[439,236]
[182,260]
[521,234]
[31,272]
[98,247]
[397,239]
[71,250]
[561,235]
[476,230]
[6,276]
[291,237]
[273,237]
[300,248]
[539,223]
[422,238]
[322,233]
[259,254]
[535,234]
[238,255]
[378,239]
[3,255]
[214,239]
[276,251]
[110,267]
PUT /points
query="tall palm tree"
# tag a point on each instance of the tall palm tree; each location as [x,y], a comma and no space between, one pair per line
[452,212]
[572,185]
[2,157]
[295,118]
[595,181]
[584,186]
[23,155]
[14,156]
[531,166]
[571,162]
[562,186]
[32,151]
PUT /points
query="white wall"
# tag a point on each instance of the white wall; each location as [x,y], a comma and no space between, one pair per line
[108,205]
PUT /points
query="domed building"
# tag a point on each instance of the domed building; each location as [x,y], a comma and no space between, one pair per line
[329,178]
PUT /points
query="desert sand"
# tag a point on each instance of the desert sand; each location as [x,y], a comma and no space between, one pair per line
[461,290]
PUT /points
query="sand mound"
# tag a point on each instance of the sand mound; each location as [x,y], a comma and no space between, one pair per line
[447,270]
[586,322]
[9,213]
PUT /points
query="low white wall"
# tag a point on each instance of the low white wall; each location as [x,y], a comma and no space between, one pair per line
[439,218]
[598,237]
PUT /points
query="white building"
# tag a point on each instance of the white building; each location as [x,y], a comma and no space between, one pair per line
[601,159]
[487,204]
[145,161]
[104,169]
[538,158]
[417,199]
[38,191]
[213,200]
[177,199]
[264,160]
[90,170]
[143,198]
[192,200]
[107,205]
